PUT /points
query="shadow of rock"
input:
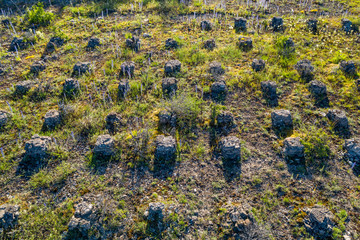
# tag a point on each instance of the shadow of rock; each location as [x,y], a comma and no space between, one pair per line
[30,166]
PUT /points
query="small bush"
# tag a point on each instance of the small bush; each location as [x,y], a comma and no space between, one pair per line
[316,145]
[37,15]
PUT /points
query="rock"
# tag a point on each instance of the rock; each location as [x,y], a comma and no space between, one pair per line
[216,69]
[165,148]
[338,119]
[312,25]
[348,26]
[4,118]
[230,148]
[172,67]
[124,88]
[245,44]
[352,149]
[9,215]
[37,67]
[6,23]
[71,86]
[281,120]
[37,147]
[146,35]
[18,44]
[209,44]
[171,44]
[53,44]
[155,212]
[317,88]
[133,43]
[127,69]
[113,122]
[167,118]
[319,222]
[206,25]
[268,89]
[348,68]
[240,24]
[225,119]
[52,119]
[23,87]
[305,69]
[93,43]
[218,91]
[258,65]
[169,86]
[104,146]
[277,24]
[293,149]
[357,83]
[82,221]
[81,68]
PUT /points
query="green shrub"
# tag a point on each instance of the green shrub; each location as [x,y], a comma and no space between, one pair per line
[37,15]
[316,144]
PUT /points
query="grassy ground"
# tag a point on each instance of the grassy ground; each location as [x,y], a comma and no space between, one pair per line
[198,184]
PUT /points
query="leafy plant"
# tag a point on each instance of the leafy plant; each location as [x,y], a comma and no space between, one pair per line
[316,145]
[37,15]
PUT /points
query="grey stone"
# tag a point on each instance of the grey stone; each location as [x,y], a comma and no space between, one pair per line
[172,67]
[230,148]
[155,212]
[305,69]
[258,65]
[133,43]
[206,25]
[281,120]
[23,87]
[123,88]
[357,83]
[268,89]
[81,68]
[348,68]
[240,24]
[113,121]
[37,67]
[165,148]
[352,149]
[127,69]
[18,44]
[312,25]
[83,220]
[146,35]
[9,215]
[37,147]
[348,26]
[167,118]
[104,146]
[293,149]
[53,44]
[52,119]
[169,86]
[277,24]
[245,43]
[338,119]
[93,43]
[319,222]
[71,86]
[317,88]
[209,44]
[218,91]
[225,119]
[171,44]
[216,69]
[4,118]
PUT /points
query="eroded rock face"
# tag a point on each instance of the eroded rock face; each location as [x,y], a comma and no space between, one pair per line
[171,44]
[240,24]
[133,43]
[225,119]
[123,88]
[352,149]
[93,43]
[268,89]
[18,44]
[172,67]
[305,69]
[209,44]
[165,148]
[277,24]
[71,86]
[113,122]
[319,222]
[23,87]
[293,149]
[339,120]
[37,147]
[127,69]
[37,67]
[245,43]
[216,69]
[167,118]
[312,25]
[348,68]
[258,65]
[104,146]
[82,221]
[206,25]
[81,68]
[169,86]
[218,91]
[52,119]
[281,120]
[9,215]
[230,148]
